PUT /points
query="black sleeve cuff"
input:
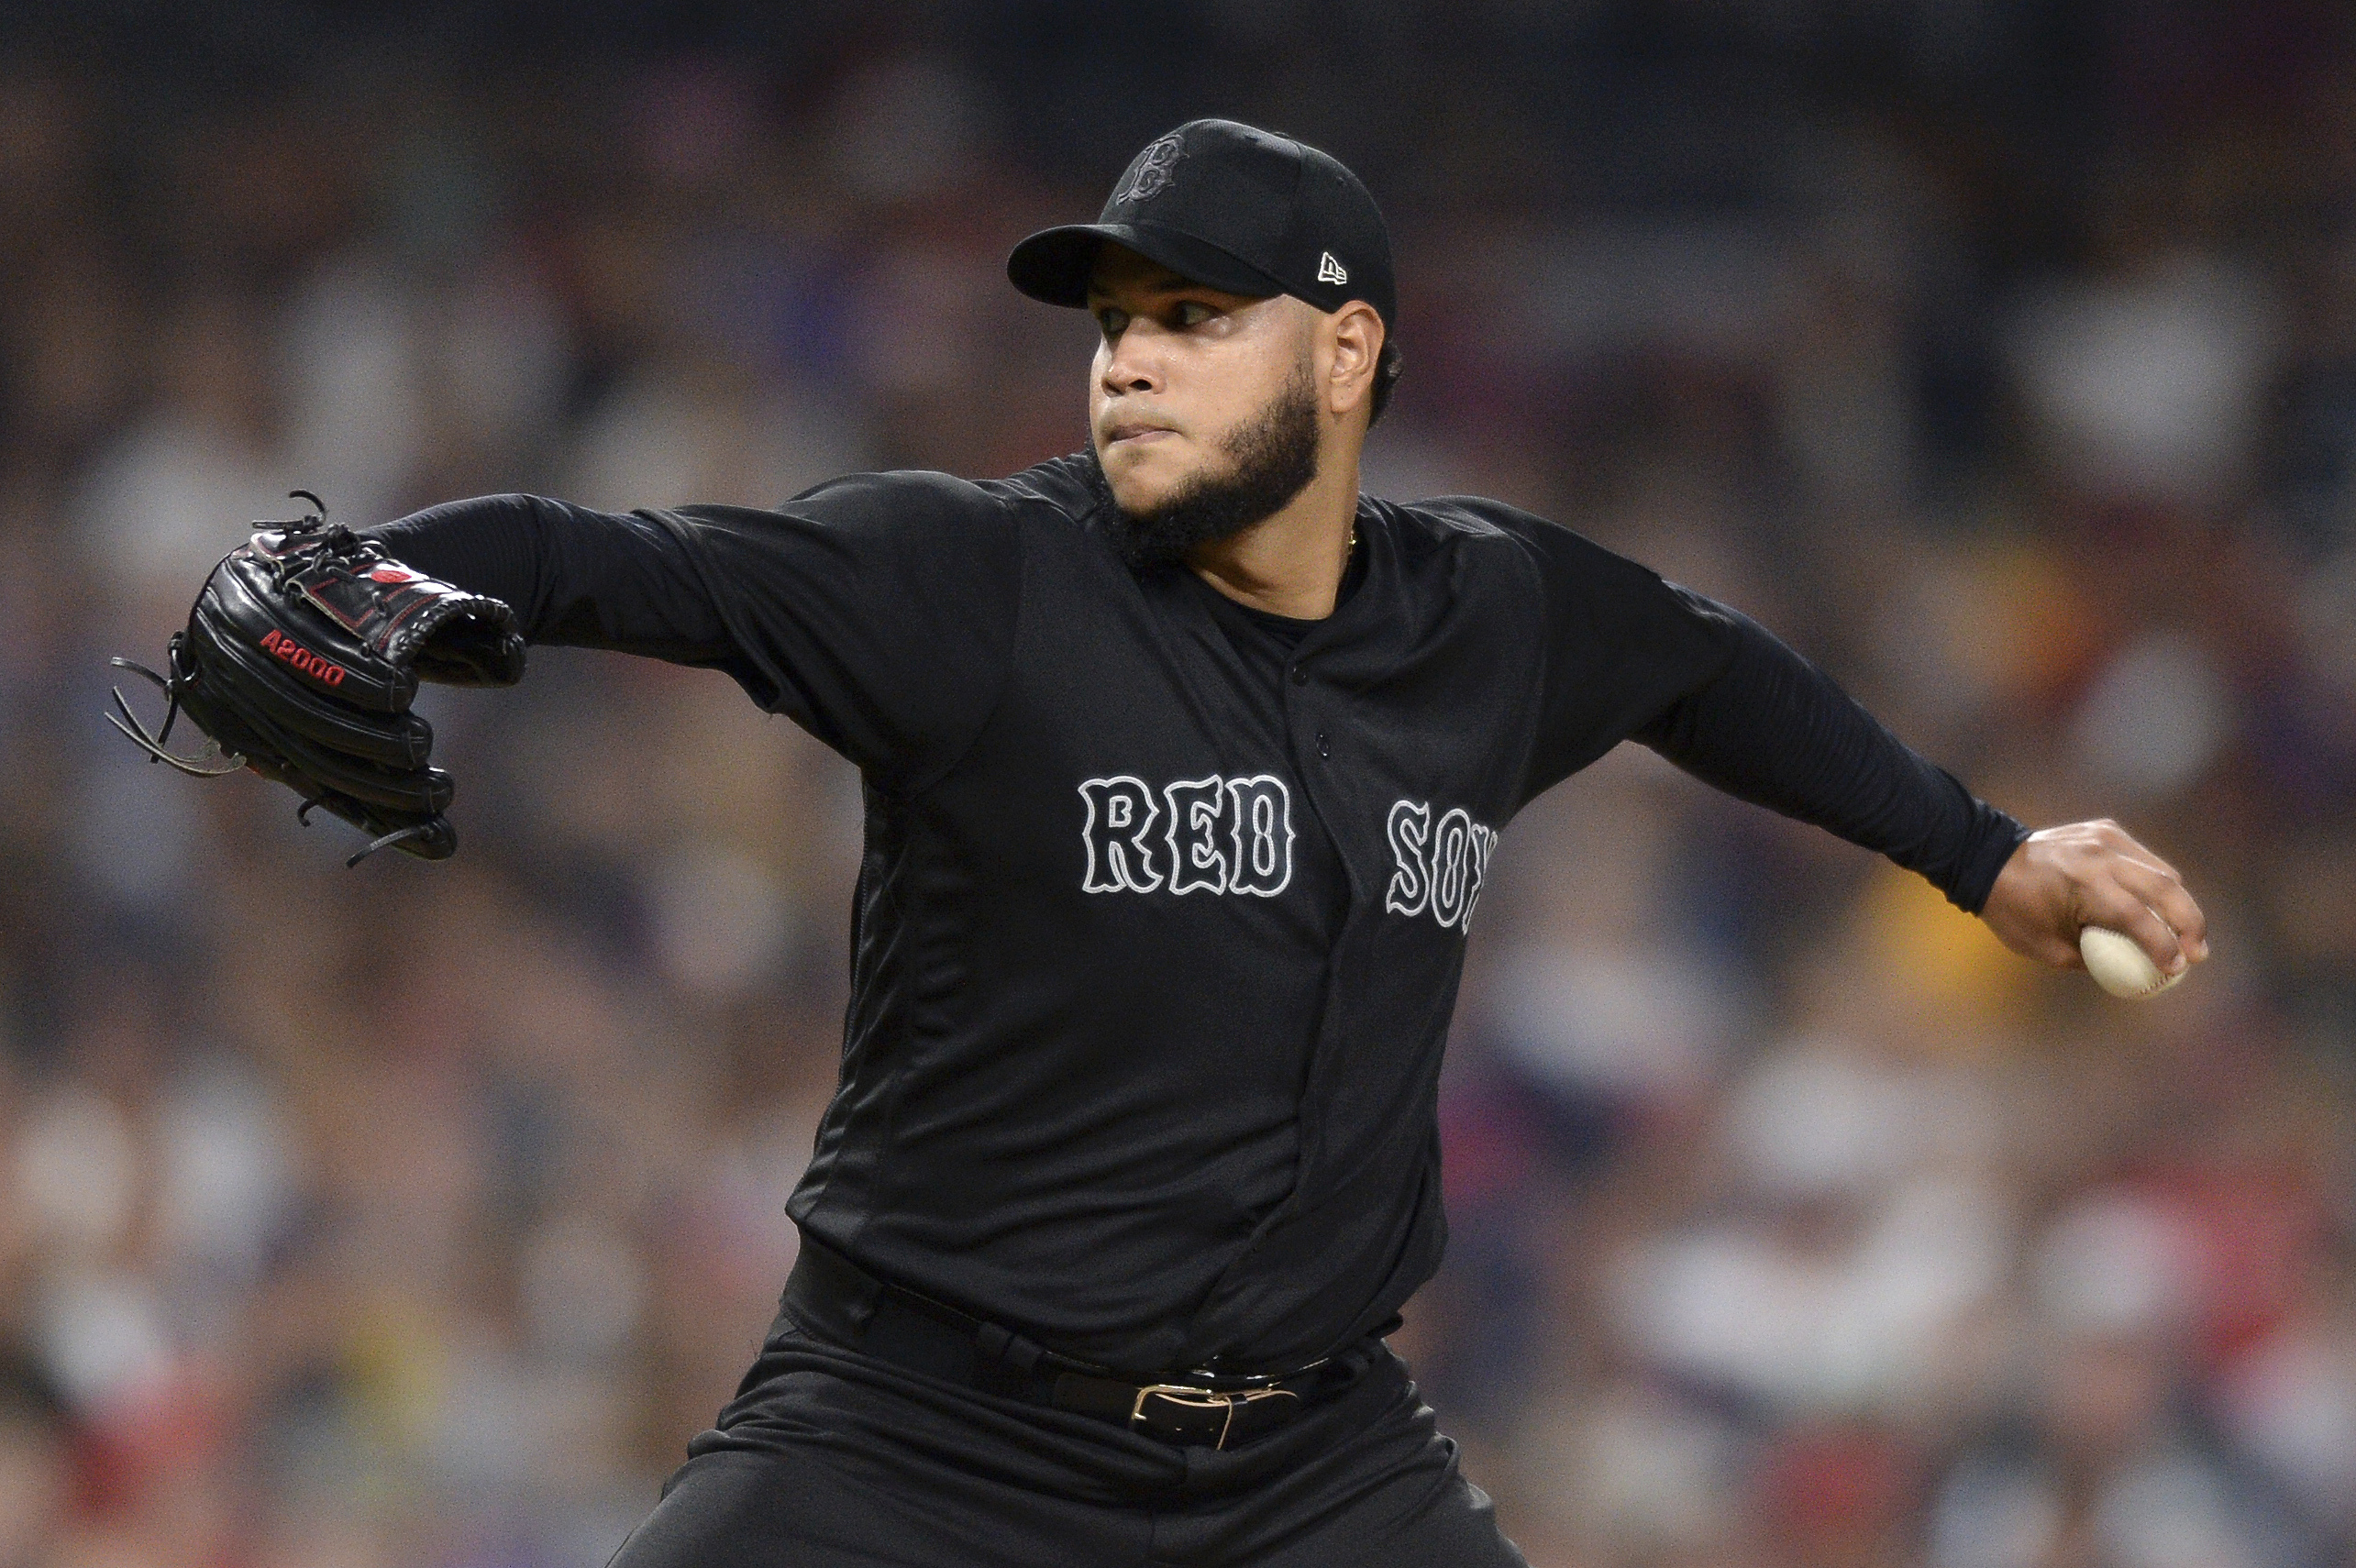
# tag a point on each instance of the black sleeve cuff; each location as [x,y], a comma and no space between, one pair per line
[1996,834]
[491,546]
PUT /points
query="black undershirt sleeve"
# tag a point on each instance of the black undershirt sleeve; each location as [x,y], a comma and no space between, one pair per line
[1631,655]
[1775,730]
[877,612]
[573,576]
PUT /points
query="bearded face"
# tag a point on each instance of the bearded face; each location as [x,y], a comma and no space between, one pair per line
[1203,411]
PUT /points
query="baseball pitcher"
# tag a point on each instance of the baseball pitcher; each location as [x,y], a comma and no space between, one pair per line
[1185,764]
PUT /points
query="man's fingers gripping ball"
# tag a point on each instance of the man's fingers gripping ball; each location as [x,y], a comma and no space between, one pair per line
[2087,893]
[2151,931]
[300,660]
[2161,891]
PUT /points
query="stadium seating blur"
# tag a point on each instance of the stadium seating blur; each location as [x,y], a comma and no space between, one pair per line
[2002,357]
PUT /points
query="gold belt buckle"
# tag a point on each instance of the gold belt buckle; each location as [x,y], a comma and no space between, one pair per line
[1195,1398]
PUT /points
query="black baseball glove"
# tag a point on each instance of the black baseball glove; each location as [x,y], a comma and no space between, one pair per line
[302,655]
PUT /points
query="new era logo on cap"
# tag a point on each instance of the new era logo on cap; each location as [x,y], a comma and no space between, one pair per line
[1330,270]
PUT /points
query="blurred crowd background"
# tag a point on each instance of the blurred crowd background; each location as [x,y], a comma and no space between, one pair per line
[2001,356]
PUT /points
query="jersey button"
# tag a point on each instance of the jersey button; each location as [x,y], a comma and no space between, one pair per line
[1300,676]
[1322,751]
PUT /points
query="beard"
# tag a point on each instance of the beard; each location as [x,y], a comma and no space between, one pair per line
[1275,454]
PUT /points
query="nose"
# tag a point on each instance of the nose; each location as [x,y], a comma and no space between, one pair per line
[1133,361]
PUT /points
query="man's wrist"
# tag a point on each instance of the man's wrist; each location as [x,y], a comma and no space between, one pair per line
[1997,836]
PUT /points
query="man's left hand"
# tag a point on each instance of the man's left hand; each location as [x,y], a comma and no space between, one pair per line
[2065,878]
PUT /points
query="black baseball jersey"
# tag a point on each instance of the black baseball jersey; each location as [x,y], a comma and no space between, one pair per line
[1164,904]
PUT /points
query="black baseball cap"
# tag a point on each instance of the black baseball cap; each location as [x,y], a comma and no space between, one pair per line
[1231,207]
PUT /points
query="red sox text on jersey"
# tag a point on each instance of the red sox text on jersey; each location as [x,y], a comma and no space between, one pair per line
[1219,835]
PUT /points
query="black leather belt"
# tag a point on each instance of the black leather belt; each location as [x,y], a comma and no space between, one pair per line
[834,1297]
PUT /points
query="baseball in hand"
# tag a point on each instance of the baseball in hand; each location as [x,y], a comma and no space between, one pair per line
[2121,967]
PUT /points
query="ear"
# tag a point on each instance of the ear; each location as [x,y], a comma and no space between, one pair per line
[1356,334]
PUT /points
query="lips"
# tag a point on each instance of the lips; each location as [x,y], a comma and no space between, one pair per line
[1128,432]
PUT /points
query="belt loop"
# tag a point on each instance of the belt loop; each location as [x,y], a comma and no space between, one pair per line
[846,1289]
[993,1341]
[864,1297]
[1008,1359]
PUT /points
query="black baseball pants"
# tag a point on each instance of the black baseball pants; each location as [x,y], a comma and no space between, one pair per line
[829,1458]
